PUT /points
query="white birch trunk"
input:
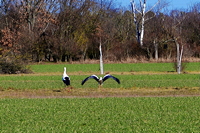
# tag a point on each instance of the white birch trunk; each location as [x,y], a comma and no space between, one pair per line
[179,57]
[140,25]
[137,35]
[101,59]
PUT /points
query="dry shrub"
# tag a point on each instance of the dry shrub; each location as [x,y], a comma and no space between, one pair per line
[13,66]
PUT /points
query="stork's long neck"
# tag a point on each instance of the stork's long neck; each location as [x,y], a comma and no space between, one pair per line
[64,73]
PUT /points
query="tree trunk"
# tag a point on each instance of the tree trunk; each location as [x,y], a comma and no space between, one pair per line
[179,57]
[142,23]
[139,24]
[156,49]
[135,21]
[101,60]
[84,54]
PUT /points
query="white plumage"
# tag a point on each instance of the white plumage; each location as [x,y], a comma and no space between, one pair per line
[101,80]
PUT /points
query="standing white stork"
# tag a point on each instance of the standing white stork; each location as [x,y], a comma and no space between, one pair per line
[65,77]
[101,80]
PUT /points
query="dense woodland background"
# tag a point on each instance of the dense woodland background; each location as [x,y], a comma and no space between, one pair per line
[71,30]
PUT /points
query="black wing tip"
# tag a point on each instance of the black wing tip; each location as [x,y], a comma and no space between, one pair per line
[111,76]
[66,80]
[91,76]
[118,81]
[68,83]
[82,83]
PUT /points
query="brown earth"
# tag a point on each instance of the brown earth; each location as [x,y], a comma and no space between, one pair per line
[71,92]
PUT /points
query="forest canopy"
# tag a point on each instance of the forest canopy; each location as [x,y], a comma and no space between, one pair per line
[71,30]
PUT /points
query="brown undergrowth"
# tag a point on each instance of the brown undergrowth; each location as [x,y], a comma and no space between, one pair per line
[127,60]
[136,60]
[71,92]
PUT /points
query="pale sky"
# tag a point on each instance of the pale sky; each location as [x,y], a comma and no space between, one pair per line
[173,4]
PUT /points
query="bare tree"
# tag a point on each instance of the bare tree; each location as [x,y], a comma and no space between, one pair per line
[140,21]
[174,27]
[178,17]
[179,56]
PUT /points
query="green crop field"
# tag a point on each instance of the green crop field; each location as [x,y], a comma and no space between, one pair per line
[131,76]
[139,114]
[136,79]
[127,81]
[122,67]
[152,97]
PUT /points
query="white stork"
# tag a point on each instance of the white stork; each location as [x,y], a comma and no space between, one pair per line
[65,77]
[101,80]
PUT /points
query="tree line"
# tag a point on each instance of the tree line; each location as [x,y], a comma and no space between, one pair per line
[71,30]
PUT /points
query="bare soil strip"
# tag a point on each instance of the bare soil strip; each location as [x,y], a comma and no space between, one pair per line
[101,93]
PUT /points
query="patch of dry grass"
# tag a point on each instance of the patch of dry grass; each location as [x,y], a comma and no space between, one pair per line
[71,92]
[136,60]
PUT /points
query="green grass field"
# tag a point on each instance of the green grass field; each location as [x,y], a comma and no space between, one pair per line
[140,114]
[151,98]
[122,67]
[127,81]
[131,76]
